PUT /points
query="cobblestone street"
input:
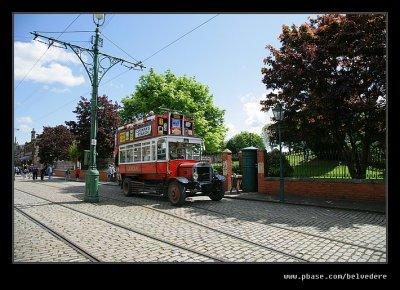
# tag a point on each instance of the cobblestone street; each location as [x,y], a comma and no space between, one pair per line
[53,224]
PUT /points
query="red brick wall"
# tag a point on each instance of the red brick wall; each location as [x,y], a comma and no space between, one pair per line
[227,168]
[330,189]
[363,190]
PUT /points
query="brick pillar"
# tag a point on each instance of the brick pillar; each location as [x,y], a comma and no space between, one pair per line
[260,171]
[227,168]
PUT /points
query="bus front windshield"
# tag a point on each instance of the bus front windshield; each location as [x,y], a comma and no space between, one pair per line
[178,150]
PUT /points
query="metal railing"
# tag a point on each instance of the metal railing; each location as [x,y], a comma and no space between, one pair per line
[333,164]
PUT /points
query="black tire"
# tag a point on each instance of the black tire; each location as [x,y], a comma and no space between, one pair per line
[217,192]
[176,193]
[126,186]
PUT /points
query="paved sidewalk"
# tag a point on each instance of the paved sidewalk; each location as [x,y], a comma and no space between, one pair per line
[377,207]
[149,229]
[311,201]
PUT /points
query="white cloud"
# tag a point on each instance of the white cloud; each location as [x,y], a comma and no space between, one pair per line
[25,120]
[255,118]
[24,123]
[24,128]
[52,67]
[232,131]
[56,90]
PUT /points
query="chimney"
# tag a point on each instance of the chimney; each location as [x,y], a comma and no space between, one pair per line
[33,134]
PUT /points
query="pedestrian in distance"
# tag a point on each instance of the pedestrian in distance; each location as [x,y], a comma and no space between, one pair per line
[49,171]
[34,172]
[77,173]
[23,173]
[67,173]
[109,173]
[112,172]
[42,170]
[30,168]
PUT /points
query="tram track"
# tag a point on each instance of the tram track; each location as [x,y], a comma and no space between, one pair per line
[236,237]
[273,226]
[177,217]
[136,231]
[202,225]
[59,236]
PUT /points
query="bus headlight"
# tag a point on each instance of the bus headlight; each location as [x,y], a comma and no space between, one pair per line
[195,176]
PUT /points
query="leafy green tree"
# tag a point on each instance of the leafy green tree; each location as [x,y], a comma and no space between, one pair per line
[243,140]
[330,74]
[108,121]
[73,152]
[54,143]
[157,91]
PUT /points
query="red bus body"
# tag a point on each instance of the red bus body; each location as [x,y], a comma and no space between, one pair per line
[162,152]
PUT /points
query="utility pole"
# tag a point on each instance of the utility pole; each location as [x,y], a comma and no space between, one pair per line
[95,70]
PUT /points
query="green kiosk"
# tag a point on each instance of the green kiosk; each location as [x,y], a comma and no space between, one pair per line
[249,169]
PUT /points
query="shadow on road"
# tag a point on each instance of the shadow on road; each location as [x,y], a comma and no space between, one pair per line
[266,213]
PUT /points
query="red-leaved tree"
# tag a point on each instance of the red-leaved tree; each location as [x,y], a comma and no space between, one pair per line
[330,75]
[108,121]
[54,143]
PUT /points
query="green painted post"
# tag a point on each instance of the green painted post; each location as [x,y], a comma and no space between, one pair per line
[281,180]
[92,175]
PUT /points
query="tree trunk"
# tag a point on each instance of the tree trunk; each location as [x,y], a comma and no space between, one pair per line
[357,162]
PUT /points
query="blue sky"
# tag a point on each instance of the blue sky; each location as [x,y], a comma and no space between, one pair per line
[226,54]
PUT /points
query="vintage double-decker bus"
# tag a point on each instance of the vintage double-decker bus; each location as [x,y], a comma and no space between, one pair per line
[160,154]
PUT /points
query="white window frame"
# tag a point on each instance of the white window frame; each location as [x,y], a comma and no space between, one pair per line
[192,140]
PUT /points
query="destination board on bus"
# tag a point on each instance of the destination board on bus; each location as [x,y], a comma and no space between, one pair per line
[143,131]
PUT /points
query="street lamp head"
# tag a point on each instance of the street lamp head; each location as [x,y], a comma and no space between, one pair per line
[98,18]
[278,112]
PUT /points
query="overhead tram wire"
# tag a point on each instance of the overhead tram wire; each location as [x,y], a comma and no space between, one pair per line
[119,47]
[71,31]
[179,38]
[104,26]
[75,99]
[45,52]
[158,51]
[24,101]
[162,47]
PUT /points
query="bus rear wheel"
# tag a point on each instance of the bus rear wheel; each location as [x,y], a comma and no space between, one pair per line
[126,186]
[176,193]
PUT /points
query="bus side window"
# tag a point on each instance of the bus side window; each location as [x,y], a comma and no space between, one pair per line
[146,151]
[122,156]
[129,154]
[153,151]
[137,156]
[161,149]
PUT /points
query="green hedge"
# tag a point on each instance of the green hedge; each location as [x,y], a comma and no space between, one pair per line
[235,167]
[273,165]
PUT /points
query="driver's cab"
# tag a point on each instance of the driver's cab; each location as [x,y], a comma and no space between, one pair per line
[174,148]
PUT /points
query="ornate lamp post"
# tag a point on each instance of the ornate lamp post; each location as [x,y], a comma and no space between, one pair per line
[96,65]
[92,175]
[279,112]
